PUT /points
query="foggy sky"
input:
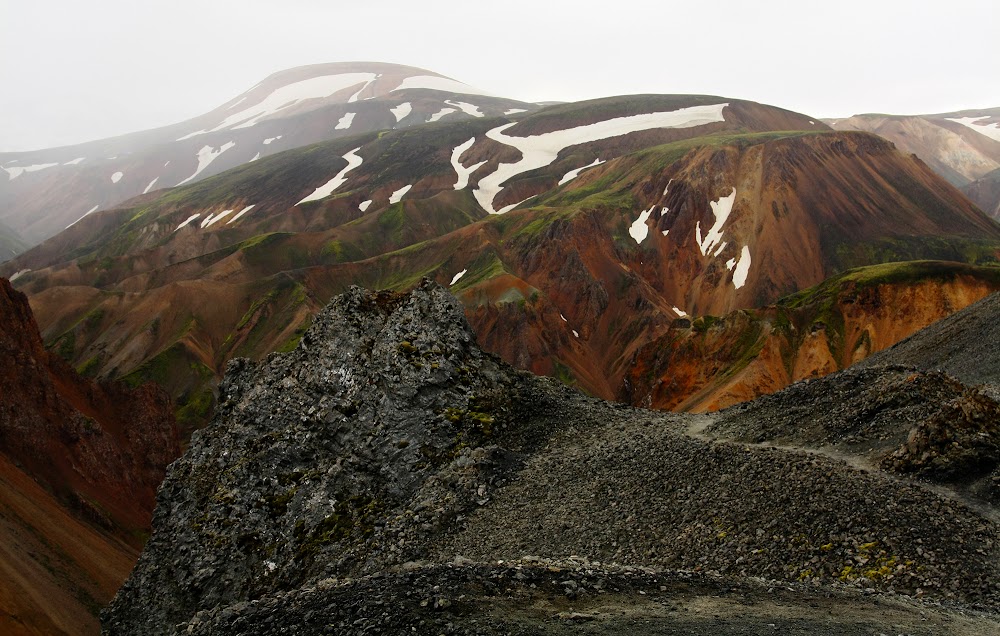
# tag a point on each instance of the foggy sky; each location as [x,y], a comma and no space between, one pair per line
[75,71]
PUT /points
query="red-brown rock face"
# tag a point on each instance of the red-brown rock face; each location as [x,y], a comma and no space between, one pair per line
[101,448]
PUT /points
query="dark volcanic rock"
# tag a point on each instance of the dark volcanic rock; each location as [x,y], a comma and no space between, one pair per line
[328,460]
[388,443]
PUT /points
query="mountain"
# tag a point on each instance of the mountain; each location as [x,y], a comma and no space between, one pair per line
[79,466]
[574,235]
[44,191]
[963,146]
[962,345]
[388,475]
[710,362]
[985,192]
[10,243]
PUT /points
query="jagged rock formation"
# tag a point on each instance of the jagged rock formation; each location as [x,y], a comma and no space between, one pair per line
[387,442]
[79,466]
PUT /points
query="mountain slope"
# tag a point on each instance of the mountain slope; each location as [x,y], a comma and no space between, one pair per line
[10,243]
[44,191]
[387,444]
[79,466]
[962,147]
[708,362]
[962,345]
[634,211]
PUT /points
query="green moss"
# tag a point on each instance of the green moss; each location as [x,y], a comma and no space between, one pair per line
[563,373]
[293,342]
[65,346]
[196,409]
[352,518]
[89,367]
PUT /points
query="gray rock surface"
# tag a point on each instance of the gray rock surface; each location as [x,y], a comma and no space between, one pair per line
[336,480]
[965,345]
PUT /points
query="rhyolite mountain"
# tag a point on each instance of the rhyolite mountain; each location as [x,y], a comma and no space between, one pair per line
[963,147]
[44,191]
[80,463]
[387,475]
[711,362]
[574,236]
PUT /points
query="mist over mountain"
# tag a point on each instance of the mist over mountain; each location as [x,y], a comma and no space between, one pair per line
[204,286]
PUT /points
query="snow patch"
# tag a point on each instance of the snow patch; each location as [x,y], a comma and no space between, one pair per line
[208,219]
[150,186]
[116,177]
[292,94]
[401,111]
[90,211]
[463,172]
[563,318]
[539,151]
[397,196]
[457,277]
[212,220]
[438,115]
[17,275]
[353,98]
[990,130]
[325,190]
[434,83]
[721,209]
[74,162]
[742,268]
[345,121]
[468,109]
[270,139]
[679,312]
[665,232]
[240,213]
[573,174]
[189,219]
[721,247]
[639,230]
[575,333]
[190,135]
[207,155]
[667,188]
[256,157]
[15,171]
[514,111]
[363,206]
[730,264]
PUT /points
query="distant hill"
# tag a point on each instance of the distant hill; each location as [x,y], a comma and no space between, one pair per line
[574,235]
[44,191]
[963,147]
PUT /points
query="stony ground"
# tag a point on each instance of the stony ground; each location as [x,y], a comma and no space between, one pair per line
[537,596]
[338,480]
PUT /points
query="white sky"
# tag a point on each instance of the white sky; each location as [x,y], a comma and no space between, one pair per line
[75,70]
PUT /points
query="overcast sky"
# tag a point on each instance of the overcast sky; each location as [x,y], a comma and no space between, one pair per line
[77,70]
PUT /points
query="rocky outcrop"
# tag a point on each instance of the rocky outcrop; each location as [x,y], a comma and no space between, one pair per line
[387,443]
[103,448]
[79,466]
